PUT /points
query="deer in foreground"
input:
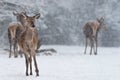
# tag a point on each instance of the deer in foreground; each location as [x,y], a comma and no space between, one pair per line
[28,41]
[91,30]
[14,30]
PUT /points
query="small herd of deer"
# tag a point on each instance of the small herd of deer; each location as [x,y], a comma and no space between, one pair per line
[24,34]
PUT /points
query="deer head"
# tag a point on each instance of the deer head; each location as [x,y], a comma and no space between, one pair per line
[19,16]
[29,21]
[102,23]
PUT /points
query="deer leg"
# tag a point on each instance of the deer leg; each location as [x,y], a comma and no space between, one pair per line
[15,47]
[91,41]
[94,46]
[27,64]
[39,44]
[10,49]
[20,52]
[96,42]
[86,42]
[36,68]
[30,59]
[9,36]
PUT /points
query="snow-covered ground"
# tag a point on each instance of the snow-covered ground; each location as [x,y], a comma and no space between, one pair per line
[68,64]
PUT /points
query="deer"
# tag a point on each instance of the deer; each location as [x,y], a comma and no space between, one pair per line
[14,30]
[28,42]
[90,31]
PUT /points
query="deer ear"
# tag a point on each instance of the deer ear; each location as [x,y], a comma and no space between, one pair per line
[37,16]
[24,15]
[15,12]
[102,18]
[98,20]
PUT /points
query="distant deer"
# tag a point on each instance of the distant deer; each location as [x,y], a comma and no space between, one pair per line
[91,30]
[14,30]
[28,42]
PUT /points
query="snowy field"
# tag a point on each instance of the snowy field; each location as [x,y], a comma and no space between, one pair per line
[68,64]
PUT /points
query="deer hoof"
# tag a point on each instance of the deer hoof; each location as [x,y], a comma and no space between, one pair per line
[27,74]
[95,53]
[84,52]
[31,74]
[37,75]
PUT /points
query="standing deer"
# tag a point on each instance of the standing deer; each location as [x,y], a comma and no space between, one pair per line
[91,30]
[14,30]
[28,42]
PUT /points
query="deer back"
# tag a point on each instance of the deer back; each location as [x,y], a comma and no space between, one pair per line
[12,27]
[91,28]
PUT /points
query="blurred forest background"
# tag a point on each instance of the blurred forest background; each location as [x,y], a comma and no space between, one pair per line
[62,21]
